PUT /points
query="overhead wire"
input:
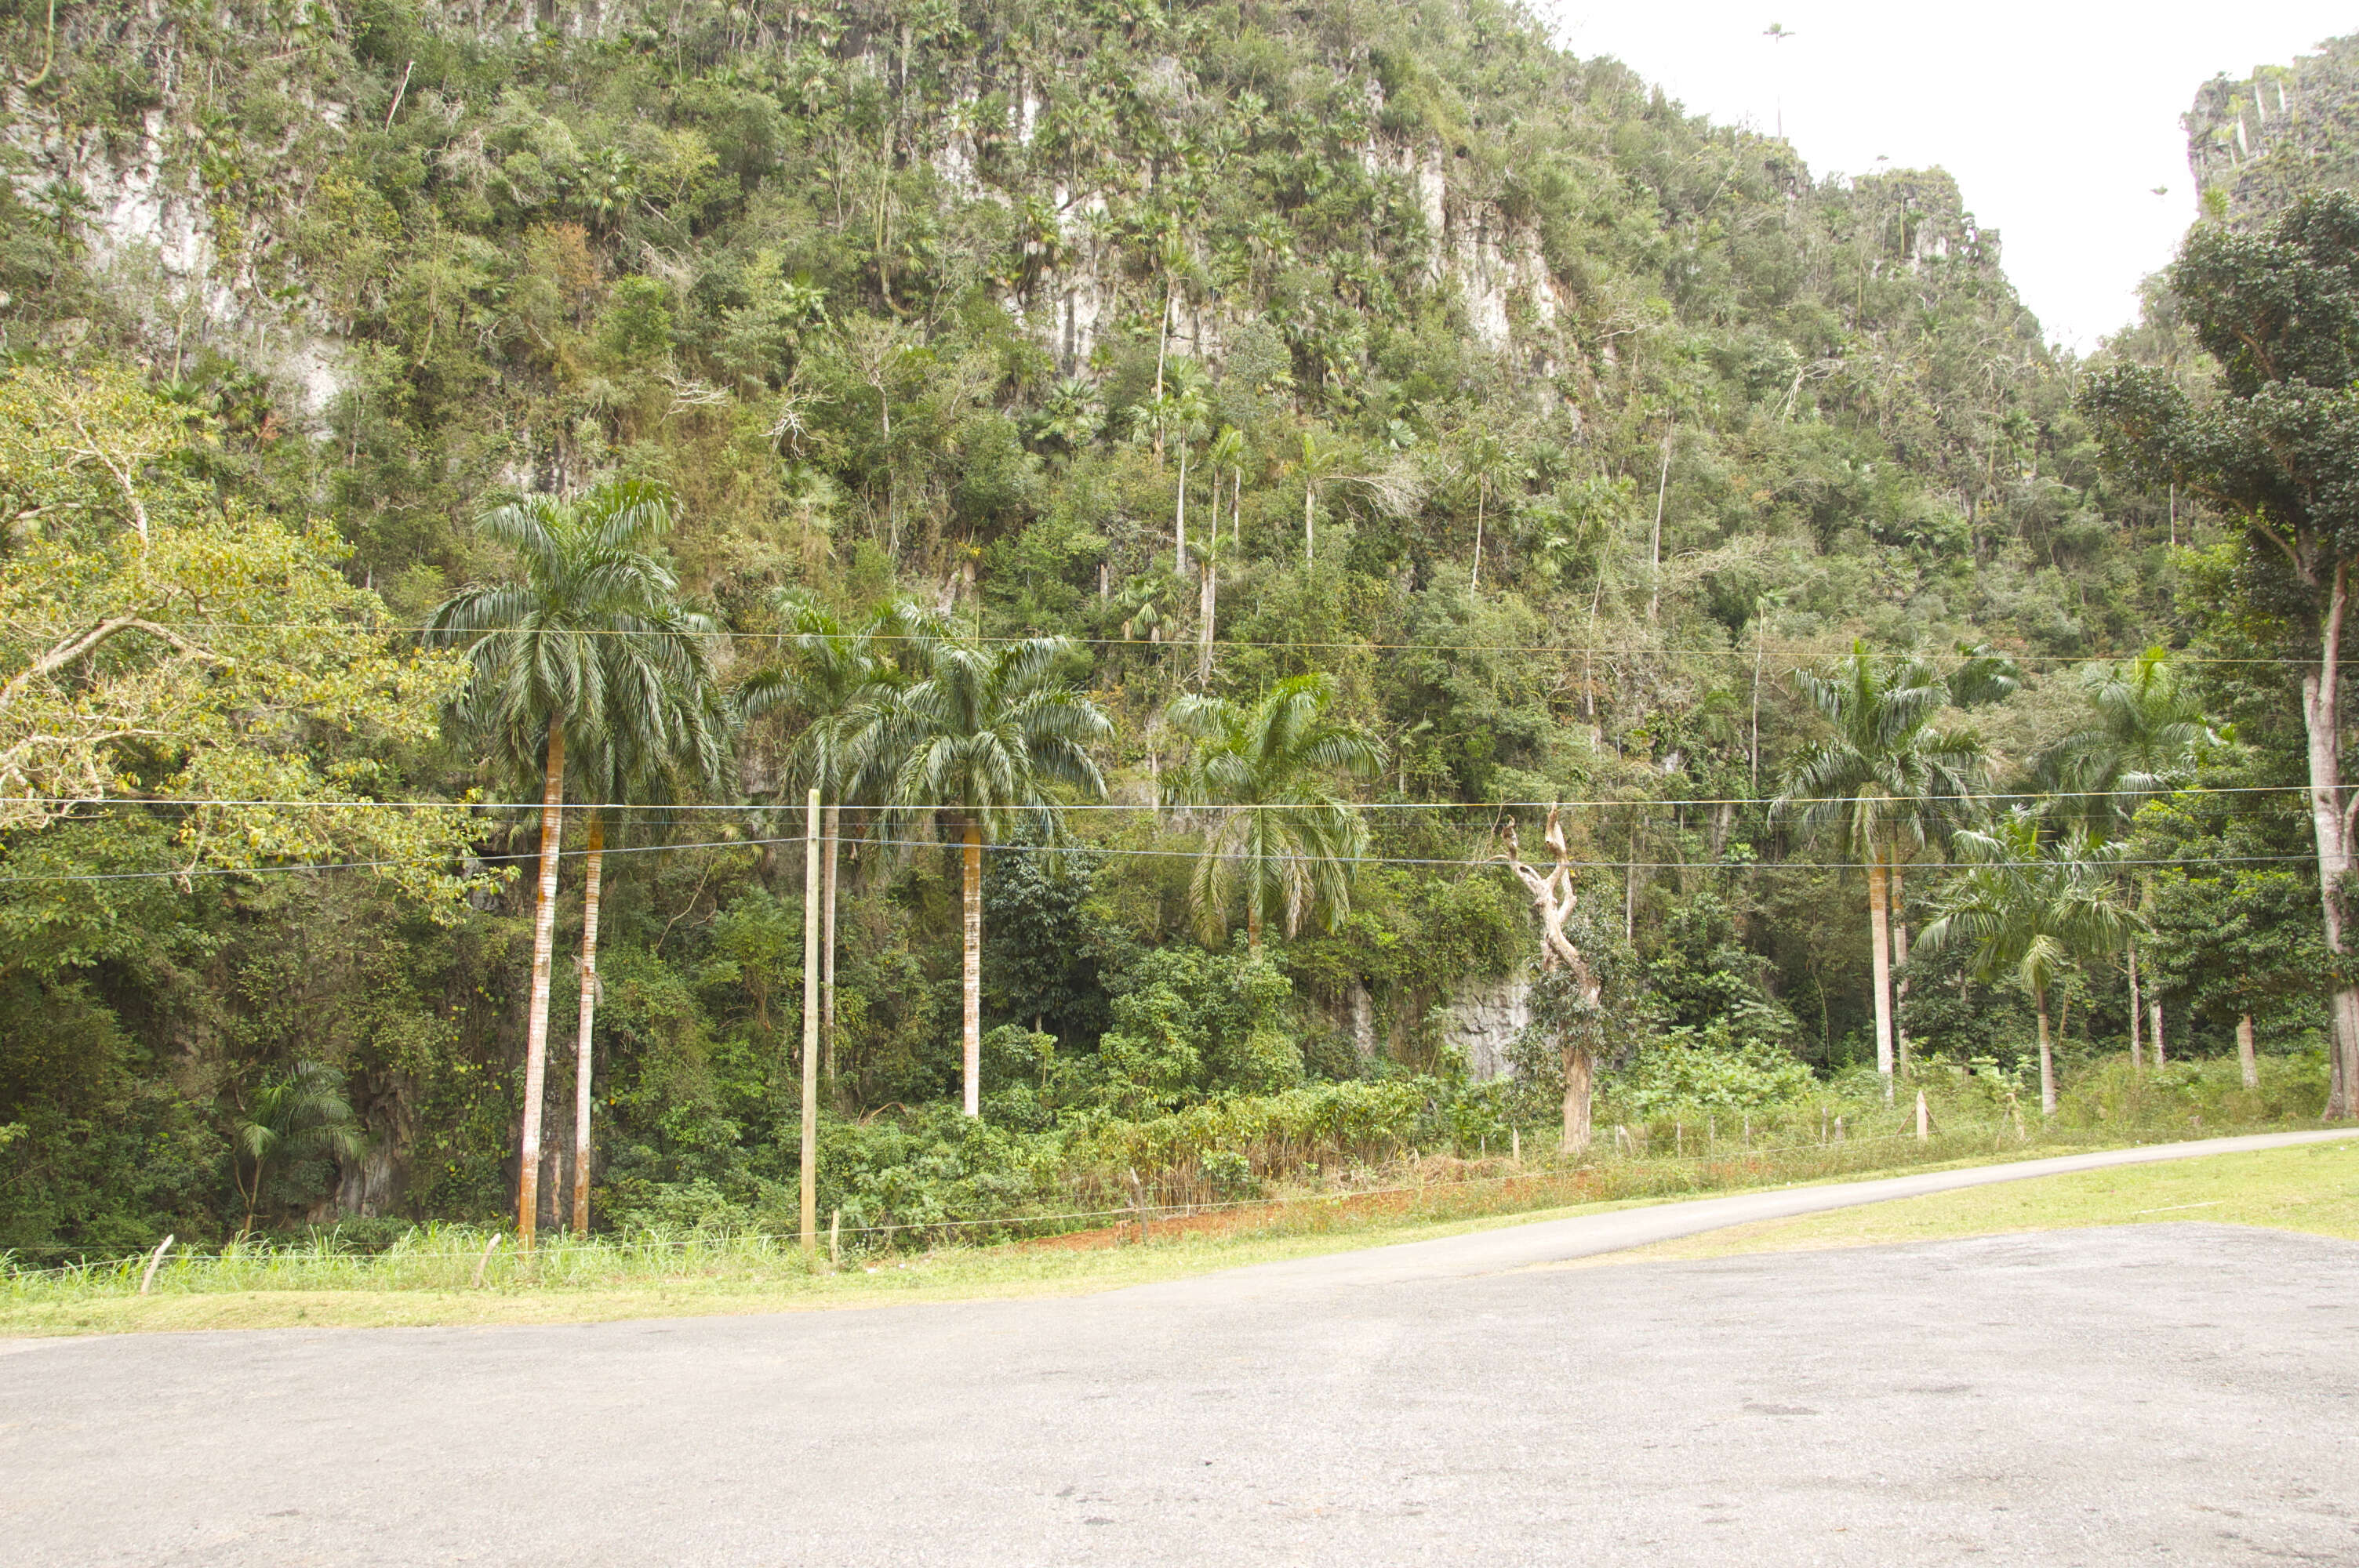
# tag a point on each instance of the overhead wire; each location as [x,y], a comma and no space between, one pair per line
[1300,644]
[1093,850]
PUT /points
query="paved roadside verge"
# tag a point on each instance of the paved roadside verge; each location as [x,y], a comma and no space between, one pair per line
[1585,1236]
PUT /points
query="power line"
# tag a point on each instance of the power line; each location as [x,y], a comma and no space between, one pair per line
[1600,804]
[1287,644]
[1060,849]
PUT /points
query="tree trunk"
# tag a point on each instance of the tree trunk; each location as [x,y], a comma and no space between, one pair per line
[544,938]
[1253,928]
[1204,617]
[1577,1075]
[591,864]
[1309,544]
[2321,719]
[1880,941]
[827,944]
[1900,964]
[2245,1061]
[2153,1017]
[1180,517]
[1474,573]
[970,970]
[2137,1056]
[1655,553]
[2047,1058]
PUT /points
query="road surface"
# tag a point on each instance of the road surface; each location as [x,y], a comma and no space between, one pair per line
[2178,1393]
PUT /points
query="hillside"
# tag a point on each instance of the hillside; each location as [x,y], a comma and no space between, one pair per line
[1555,424]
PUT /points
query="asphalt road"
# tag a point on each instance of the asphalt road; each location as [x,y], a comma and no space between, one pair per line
[2184,1393]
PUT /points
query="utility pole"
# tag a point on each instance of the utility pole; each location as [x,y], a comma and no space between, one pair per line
[810,1032]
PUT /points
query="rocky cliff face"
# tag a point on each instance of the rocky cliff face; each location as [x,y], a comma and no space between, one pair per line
[2256,145]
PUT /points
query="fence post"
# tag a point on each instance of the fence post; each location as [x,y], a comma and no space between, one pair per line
[149,1278]
[1515,1144]
[1839,1130]
[1924,1120]
[486,1258]
[835,1239]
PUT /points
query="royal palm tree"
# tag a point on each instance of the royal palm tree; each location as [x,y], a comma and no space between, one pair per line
[657,742]
[589,627]
[1267,770]
[2028,908]
[977,745]
[2140,740]
[1884,780]
[830,674]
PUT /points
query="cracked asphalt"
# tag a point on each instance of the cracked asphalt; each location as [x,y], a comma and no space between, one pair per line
[2175,1393]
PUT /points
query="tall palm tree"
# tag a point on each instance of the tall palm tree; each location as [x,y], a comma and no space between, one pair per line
[2139,742]
[589,627]
[977,743]
[1267,770]
[2143,731]
[830,674]
[658,742]
[1883,779]
[2029,908]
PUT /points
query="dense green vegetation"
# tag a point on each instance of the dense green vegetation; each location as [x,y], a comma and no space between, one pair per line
[1178,480]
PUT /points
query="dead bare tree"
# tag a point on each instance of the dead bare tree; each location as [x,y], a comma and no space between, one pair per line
[1573,1017]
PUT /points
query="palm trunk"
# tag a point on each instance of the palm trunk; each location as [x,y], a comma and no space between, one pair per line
[971,972]
[2047,1057]
[1204,616]
[1252,929]
[2321,719]
[1578,1066]
[1474,575]
[1900,963]
[2246,1060]
[2138,1057]
[544,940]
[827,946]
[1879,942]
[1180,516]
[2153,1016]
[1310,543]
[591,864]
[1654,551]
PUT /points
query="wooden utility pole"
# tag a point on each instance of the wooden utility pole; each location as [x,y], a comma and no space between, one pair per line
[811,1030]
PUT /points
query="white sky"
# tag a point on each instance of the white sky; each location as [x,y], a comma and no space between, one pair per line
[2058,119]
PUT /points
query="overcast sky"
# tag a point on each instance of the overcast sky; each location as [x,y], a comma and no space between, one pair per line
[2058,118]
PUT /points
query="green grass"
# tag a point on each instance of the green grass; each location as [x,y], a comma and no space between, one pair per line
[2313,1187]
[430,1277]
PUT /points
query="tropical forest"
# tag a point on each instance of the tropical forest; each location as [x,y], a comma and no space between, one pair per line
[960,621]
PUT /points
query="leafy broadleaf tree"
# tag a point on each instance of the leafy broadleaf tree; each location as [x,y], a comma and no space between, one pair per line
[2275,449]
[1883,779]
[2028,909]
[160,643]
[1266,772]
[564,655]
[977,745]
